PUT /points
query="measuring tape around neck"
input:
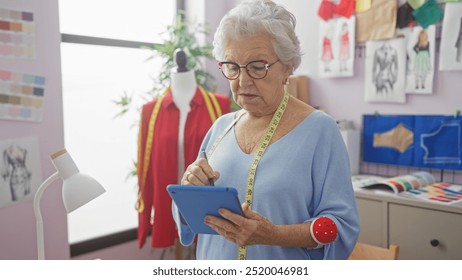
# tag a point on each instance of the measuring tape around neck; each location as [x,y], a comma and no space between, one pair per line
[264,142]
[242,251]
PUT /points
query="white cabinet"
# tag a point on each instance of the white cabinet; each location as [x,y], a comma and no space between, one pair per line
[422,230]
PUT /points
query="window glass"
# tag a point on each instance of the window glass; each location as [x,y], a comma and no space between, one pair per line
[102,146]
[135,20]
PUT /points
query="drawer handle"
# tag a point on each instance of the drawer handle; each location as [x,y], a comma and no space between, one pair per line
[434,242]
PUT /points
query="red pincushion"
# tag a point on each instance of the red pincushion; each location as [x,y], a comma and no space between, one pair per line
[323,230]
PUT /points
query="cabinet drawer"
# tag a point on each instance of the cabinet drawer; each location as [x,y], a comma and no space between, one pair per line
[370,219]
[414,229]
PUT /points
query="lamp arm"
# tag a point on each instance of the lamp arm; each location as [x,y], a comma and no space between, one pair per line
[38,215]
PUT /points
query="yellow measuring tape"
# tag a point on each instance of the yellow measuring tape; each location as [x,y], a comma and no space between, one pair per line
[242,252]
[264,142]
[214,110]
[207,97]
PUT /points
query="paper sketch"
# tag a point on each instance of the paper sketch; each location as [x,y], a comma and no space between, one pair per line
[336,45]
[15,171]
[458,44]
[344,48]
[451,38]
[20,172]
[327,55]
[420,59]
[385,71]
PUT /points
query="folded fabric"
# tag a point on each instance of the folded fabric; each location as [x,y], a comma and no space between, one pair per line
[404,17]
[428,14]
[378,23]
[345,8]
[326,9]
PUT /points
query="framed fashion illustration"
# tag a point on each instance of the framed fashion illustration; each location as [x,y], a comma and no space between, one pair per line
[451,38]
[385,71]
[20,172]
[420,59]
[337,47]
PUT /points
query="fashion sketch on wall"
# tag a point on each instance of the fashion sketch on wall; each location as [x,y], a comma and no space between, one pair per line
[451,38]
[420,59]
[336,45]
[20,173]
[385,71]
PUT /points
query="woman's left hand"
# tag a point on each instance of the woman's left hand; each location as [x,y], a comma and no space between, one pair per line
[252,228]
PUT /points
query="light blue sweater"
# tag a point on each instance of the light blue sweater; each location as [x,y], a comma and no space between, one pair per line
[303,175]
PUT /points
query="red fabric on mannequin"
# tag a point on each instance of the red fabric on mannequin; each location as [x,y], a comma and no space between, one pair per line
[163,163]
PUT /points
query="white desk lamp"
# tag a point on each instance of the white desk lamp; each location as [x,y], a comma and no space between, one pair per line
[78,190]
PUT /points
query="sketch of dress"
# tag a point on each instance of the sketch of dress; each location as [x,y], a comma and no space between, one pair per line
[344,49]
[327,54]
[385,69]
[15,171]
[422,63]
[459,44]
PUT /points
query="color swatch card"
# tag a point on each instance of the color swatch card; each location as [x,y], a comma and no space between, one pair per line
[17,34]
[21,96]
[438,192]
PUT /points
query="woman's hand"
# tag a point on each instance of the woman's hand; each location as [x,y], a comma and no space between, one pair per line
[250,229]
[198,173]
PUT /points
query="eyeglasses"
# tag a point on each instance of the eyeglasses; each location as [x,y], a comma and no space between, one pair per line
[256,69]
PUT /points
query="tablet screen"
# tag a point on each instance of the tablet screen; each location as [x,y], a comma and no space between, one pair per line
[196,202]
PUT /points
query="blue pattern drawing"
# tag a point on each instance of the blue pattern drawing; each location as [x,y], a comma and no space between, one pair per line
[379,129]
[447,133]
[440,142]
[436,140]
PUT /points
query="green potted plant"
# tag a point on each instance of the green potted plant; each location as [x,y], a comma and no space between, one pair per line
[182,35]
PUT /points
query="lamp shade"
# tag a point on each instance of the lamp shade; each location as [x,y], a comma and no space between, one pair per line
[78,188]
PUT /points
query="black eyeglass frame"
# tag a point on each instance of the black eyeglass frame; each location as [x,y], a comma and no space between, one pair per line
[267,66]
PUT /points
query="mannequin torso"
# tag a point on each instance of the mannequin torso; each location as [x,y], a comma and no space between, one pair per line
[183,87]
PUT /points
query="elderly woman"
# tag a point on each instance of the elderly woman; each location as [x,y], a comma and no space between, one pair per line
[286,159]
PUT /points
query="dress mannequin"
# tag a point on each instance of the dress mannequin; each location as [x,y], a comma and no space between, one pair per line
[172,128]
[183,86]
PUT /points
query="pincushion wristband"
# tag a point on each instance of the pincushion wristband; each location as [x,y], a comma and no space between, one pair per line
[323,231]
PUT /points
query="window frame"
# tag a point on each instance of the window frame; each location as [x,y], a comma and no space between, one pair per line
[116,238]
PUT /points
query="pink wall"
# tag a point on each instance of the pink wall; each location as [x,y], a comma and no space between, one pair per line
[343,98]
[17,222]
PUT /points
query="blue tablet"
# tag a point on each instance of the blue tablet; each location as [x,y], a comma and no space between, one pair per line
[196,202]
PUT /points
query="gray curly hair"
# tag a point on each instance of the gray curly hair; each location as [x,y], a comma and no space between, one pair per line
[255,16]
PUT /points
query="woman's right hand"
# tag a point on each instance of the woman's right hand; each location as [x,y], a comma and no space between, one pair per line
[198,173]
